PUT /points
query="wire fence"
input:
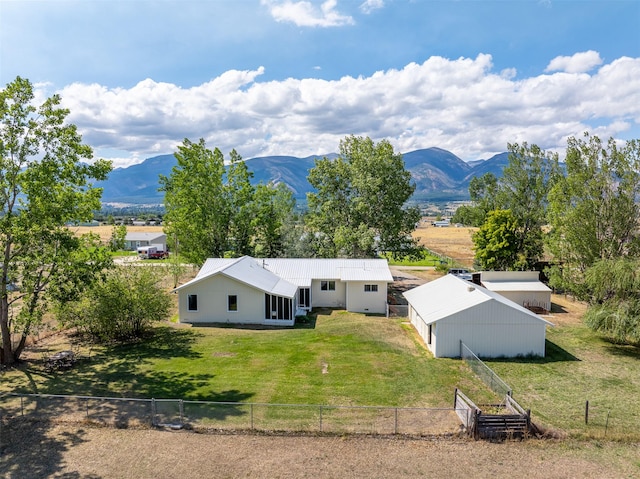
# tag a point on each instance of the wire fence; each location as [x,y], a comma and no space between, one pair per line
[484,372]
[203,415]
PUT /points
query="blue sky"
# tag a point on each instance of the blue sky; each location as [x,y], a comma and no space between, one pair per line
[294,77]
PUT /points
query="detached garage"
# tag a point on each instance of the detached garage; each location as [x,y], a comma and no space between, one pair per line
[449,310]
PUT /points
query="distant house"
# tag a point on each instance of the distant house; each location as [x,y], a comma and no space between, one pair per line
[134,240]
[449,310]
[522,287]
[274,291]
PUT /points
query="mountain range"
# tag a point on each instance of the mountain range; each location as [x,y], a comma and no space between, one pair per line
[439,175]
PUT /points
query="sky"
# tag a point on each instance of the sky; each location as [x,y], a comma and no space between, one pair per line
[289,77]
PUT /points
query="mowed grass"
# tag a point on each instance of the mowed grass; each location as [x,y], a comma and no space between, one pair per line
[341,358]
[579,366]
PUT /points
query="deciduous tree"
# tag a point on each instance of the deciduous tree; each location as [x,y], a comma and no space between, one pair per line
[594,212]
[359,205]
[46,174]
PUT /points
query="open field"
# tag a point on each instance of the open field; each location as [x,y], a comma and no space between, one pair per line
[104,232]
[453,242]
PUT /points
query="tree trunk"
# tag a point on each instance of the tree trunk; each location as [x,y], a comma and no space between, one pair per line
[7,356]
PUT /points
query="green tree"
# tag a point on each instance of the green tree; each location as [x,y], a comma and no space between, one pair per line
[120,307]
[118,236]
[212,211]
[46,177]
[614,310]
[523,189]
[593,211]
[496,242]
[240,198]
[273,209]
[197,210]
[359,203]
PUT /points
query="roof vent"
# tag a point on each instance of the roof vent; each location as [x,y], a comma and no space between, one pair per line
[471,288]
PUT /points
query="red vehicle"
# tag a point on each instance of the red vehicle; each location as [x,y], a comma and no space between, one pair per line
[152,252]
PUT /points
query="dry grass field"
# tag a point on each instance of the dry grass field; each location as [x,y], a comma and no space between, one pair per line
[105,231]
[453,242]
[68,451]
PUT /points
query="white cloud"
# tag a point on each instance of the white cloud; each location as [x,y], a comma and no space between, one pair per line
[579,63]
[307,14]
[461,105]
[370,5]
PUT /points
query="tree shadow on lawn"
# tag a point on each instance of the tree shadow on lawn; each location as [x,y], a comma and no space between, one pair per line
[553,354]
[119,371]
[626,350]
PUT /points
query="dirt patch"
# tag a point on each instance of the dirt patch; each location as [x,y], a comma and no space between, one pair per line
[37,450]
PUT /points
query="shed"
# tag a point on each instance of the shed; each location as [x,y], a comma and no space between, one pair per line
[449,310]
[522,287]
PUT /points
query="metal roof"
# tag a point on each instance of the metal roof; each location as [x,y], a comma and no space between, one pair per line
[142,236]
[537,286]
[449,295]
[245,270]
[298,272]
[302,271]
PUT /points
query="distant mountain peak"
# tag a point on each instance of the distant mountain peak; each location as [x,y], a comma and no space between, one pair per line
[437,173]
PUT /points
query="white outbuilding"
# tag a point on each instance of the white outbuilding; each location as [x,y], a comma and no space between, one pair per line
[522,287]
[450,310]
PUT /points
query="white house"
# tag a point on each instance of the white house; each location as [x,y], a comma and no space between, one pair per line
[273,291]
[133,240]
[522,287]
[449,310]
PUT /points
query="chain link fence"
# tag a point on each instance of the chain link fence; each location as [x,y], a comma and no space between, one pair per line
[204,415]
[484,372]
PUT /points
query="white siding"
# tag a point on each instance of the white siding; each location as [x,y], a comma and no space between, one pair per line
[490,330]
[360,301]
[524,298]
[212,302]
[328,299]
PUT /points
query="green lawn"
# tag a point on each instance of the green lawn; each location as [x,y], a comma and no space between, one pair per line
[350,359]
[346,359]
[426,260]
[579,366]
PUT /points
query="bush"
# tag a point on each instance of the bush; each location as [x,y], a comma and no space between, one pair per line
[121,306]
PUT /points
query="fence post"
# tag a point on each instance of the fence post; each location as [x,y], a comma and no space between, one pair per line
[22,406]
[586,412]
[181,405]
[251,414]
[86,404]
[320,418]
[153,412]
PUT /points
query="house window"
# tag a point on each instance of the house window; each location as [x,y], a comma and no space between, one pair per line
[429,334]
[370,288]
[277,307]
[192,301]
[327,285]
[232,302]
